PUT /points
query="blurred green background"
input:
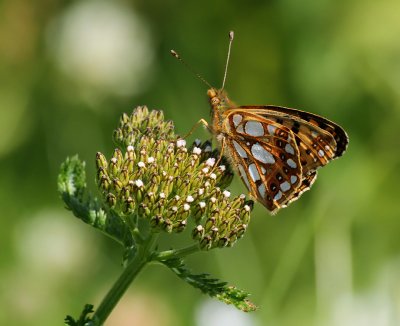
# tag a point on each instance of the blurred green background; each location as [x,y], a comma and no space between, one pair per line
[70,68]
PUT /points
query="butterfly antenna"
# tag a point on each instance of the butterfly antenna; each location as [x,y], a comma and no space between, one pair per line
[231,35]
[177,56]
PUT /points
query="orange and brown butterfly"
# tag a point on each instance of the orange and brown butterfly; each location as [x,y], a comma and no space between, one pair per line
[275,150]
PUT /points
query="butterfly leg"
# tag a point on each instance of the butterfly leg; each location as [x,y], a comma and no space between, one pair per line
[221,152]
[197,124]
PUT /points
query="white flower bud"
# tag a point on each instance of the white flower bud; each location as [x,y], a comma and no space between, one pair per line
[197,150]
[210,161]
[180,143]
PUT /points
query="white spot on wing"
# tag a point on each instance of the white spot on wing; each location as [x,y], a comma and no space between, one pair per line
[261,154]
[261,190]
[254,172]
[237,118]
[239,149]
[293,179]
[263,170]
[271,129]
[278,195]
[289,149]
[291,163]
[240,129]
[244,176]
[285,186]
[321,153]
[254,128]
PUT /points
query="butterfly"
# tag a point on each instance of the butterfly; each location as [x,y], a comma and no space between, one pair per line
[276,150]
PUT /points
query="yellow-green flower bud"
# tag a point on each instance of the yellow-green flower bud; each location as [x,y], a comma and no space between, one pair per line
[111,199]
[101,161]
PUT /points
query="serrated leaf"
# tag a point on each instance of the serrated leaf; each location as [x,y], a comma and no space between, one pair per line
[72,189]
[211,286]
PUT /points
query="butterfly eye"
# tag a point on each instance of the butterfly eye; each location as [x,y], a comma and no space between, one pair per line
[215,101]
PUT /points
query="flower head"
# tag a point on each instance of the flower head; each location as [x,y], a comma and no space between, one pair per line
[154,176]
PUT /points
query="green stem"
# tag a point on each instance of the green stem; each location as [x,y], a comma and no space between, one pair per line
[169,254]
[121,285]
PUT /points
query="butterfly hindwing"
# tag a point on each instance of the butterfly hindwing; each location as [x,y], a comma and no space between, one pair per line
[306,183]
[266,156]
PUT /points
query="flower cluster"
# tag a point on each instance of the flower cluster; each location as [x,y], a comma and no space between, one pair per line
[154,176]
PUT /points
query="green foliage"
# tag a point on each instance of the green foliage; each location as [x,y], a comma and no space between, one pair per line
[211,286]
[84,319]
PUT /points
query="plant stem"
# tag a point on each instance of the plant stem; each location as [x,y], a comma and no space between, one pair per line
[169,254]
[121,285]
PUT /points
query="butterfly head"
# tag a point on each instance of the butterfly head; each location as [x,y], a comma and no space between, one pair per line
[218,99]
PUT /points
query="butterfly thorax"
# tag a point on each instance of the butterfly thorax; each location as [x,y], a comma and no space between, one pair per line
[220,103]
